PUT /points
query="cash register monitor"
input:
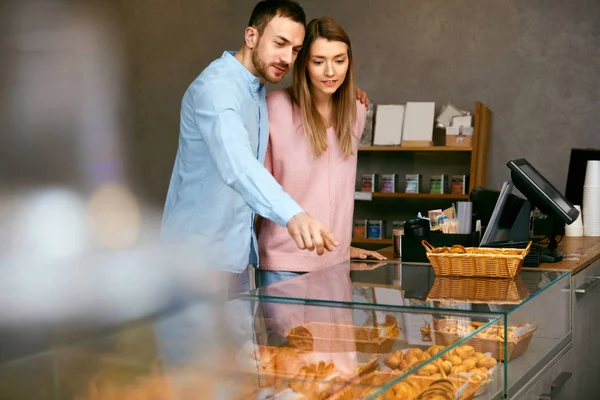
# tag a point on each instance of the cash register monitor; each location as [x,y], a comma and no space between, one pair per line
[495,231]
[505,218]
[543,195]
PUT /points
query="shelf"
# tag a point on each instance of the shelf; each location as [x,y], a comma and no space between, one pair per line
[373,241]
[429,148]
[421,195]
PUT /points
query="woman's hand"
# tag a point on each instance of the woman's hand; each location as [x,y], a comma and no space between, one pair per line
[363,254]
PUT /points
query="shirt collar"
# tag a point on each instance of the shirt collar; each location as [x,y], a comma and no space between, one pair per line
[252,80]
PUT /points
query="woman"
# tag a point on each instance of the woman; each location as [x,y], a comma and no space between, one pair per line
[315,127]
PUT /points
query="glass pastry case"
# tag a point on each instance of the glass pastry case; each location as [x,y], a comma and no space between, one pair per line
[367,330]
[522,323]
[264,350]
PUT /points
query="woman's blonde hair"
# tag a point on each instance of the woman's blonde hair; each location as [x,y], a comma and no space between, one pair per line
[344,99]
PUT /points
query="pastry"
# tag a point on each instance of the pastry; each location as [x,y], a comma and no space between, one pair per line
[433,350]
[442,389]
[411,361]
[457,369]
[469,363]
[454,359]
[446,366]
[403,391]
[287,362]
[465,352]
[428,370]
[394,359]
[414,352]
[309,378]
[487,362]
[368,367]
[481,371]
[436,394]
[444,383]
[451,352]
[458,249]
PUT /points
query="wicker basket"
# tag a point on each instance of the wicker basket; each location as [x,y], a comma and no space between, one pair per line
[477,261]
[495,347]
[478,290]
[369,384]
[328,337]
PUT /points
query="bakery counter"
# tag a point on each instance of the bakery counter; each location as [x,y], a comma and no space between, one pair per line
[574,370]
[578,254]
[254,349]
[581,259]
[532,313]
[269,350]
[354,330]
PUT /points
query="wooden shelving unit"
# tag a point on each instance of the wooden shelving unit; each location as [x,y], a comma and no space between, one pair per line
[430,148]
[373,241]
[471,161]
[421,196]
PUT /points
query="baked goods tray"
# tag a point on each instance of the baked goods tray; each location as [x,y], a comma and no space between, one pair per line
[412,387]
[489,341]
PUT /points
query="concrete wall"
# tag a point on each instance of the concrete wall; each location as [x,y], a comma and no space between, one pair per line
[535,63]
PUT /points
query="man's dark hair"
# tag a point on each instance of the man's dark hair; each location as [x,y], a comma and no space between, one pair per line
[266,10]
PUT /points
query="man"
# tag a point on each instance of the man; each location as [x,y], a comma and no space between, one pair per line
[218,181]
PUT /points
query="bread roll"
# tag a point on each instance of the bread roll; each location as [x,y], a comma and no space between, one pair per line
[433,350]
[444,383]
[414,352]
[446,366]
[455,360]
[487,362]
[403,390]
[436,394]
[393,360]
[431,369]
[458,369]
[465,351]
[469,363]
[411,361]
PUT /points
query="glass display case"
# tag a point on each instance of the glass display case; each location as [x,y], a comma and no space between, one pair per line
[530,316]
[267,350]
[366,330]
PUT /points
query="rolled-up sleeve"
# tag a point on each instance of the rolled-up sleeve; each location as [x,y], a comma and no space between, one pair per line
[217,113]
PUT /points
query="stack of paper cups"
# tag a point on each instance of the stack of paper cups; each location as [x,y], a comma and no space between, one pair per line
[576,228]
[591,199]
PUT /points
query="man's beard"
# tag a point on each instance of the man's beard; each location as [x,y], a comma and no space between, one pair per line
[262,67]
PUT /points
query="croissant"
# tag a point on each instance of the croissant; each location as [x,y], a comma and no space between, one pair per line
[287,362]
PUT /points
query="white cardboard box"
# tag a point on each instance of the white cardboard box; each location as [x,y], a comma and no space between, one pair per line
[389,120]
[418,121]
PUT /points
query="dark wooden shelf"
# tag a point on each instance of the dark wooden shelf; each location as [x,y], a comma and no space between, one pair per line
[373,241]
[420,195]
[429,148]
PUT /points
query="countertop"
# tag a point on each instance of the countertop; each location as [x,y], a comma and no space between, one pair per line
[578,253]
